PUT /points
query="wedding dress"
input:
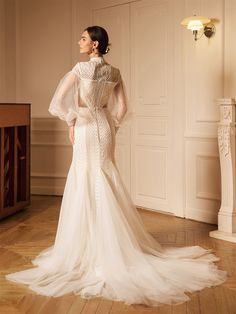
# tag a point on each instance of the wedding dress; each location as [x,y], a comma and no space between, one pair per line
[101,246]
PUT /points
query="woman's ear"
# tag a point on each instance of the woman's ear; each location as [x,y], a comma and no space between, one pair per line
[96,43]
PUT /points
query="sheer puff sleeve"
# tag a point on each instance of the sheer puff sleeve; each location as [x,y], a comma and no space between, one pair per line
[65,99]
[118,104]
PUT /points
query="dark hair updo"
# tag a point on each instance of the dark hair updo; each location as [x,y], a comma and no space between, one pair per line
[98,33]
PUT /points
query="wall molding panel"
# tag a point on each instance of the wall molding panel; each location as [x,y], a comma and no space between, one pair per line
[208,165]
[150,181]
[51,153]
[202,180]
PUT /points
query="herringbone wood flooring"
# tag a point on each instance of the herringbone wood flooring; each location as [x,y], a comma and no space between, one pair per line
[25,234]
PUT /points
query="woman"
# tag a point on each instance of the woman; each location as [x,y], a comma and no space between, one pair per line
[101,246]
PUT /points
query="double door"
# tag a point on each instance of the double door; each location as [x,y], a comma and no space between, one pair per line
[141,47]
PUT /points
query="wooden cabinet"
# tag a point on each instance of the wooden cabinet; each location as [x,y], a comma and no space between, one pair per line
[14,157]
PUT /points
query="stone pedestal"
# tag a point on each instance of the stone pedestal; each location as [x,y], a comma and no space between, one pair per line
[226,141]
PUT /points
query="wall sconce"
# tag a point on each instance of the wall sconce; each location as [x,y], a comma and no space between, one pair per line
[199,23]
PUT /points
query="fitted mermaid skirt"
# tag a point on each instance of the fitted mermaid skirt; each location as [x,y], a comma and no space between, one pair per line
[101,247]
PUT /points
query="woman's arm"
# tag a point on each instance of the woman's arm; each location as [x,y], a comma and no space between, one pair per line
[71,134]
[120,102]
[63,102]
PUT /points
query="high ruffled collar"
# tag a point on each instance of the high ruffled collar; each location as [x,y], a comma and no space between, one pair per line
[97,59]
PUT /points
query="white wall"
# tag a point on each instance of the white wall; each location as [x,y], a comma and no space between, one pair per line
[46,47]
[204,66]
[44,50]
[230,49]
[7,51]
[2,52]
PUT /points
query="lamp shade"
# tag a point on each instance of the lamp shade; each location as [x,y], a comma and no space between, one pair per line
[195,22]
[195,25]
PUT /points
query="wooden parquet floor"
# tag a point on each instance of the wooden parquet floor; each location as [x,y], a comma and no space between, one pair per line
[25,234]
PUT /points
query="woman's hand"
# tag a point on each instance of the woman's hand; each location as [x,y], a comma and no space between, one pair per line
[71,134]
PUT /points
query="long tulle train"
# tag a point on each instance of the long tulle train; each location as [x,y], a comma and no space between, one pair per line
[108,253]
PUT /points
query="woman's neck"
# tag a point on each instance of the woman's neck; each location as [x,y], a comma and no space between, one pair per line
[95,55]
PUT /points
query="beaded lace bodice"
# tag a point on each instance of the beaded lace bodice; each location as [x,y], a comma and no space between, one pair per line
[93,84]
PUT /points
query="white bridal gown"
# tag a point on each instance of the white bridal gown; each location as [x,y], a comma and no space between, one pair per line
[101,247]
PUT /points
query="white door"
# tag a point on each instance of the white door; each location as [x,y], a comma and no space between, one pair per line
[151,94]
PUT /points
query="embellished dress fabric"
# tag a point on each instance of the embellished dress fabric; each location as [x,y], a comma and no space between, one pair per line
[101,246]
